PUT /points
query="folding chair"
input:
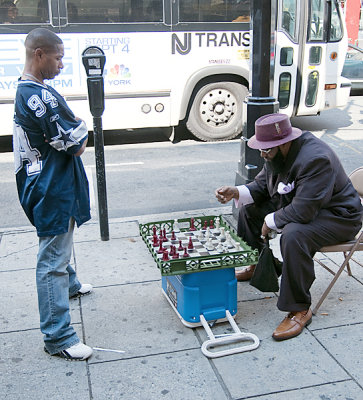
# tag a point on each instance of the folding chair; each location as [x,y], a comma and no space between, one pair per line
[348,248]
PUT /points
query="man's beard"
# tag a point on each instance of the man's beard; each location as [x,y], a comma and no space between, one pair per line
[277,163]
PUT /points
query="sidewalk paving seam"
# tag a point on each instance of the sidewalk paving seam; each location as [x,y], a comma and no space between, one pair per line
[146,355]
[333,327]
[337,361]
[294,390]
[214,369]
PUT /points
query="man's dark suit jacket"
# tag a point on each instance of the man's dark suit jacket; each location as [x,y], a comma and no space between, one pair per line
[320,182]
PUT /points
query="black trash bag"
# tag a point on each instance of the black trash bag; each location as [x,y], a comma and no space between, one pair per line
[267,270]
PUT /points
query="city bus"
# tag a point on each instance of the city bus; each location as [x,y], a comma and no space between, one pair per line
[181,61]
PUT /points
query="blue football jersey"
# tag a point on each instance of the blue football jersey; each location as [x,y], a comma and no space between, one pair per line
[51,181]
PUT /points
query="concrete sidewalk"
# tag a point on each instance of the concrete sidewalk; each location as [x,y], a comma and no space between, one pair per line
[162,358]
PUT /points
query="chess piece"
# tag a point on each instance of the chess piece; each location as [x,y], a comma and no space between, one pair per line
[155,240]
[201,236]
[176,227]
[220,247]
[180,248]
[209,245]
[207,233]
[217,224]
[185,254]
[223,234]
[190,244]
[165,255]
[237,246]
[173,237]
[176,255]
[205,225]
[161,248]
[154,230]
[211,224]
[165,239]
[228,242]
[192,227]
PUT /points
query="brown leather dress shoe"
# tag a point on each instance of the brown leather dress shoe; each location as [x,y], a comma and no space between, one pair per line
[245,274]
[292,325]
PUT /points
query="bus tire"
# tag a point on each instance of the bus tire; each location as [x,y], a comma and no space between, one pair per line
[216,112]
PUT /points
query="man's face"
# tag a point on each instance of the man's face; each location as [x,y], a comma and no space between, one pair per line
[269,154]
[51,62]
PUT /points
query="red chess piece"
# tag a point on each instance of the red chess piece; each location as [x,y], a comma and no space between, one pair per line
[165,239]
[211,224]
[192,227]
[185,254]
[165,255]
[176,255]
[172,250]
[205,225]
[155,241]
[154,230]
[173,237]
[190,244]
[161,248]
[180,248]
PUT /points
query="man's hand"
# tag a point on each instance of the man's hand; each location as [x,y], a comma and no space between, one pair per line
[226,193]
[265,231]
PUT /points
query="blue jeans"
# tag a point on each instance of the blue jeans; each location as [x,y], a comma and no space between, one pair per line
[56,282]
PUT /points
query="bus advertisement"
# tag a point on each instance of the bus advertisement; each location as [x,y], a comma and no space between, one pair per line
[169,61]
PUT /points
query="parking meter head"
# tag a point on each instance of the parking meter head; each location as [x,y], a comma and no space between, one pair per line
[94,60]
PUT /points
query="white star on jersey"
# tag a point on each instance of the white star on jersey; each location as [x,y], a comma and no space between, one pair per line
[64,139]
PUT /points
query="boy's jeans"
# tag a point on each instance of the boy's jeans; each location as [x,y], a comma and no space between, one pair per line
[56,282]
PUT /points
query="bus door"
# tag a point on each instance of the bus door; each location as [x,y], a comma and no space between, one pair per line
[308,67]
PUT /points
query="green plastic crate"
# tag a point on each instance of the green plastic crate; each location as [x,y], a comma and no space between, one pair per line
[229,259]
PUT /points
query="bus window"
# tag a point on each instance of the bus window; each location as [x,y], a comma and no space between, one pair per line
[315,55]
[288,22]
[312,89]
[286,56]
[24,11]
[214,10]
[336,30]
[316,23]
[284,89]
[111,11]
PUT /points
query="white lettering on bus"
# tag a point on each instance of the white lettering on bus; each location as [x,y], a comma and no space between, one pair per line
[209,39]
[110,44]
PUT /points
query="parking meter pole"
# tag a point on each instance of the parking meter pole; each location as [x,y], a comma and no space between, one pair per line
[260,102]
[101,178]
[94,59]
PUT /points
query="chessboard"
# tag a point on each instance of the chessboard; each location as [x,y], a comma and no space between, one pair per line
[195,244]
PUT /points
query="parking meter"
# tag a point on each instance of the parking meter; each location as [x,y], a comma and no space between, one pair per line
[94,60]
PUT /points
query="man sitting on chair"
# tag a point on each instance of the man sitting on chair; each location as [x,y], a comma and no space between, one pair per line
[303,193]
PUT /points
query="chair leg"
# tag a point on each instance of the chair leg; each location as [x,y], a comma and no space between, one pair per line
[348,265]
[336,276]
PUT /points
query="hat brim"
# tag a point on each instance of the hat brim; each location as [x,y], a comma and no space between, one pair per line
[258,144]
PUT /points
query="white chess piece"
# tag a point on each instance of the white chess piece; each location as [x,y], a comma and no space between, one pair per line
[228,242]
[209,245]
[223,234]
[201,235]
[207,233]
[176,227]
[237,246]
[220,247]
[217,224]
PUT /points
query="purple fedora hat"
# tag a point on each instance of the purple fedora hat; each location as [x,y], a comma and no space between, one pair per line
[272,130]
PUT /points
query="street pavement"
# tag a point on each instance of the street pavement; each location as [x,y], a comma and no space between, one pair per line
[162,358]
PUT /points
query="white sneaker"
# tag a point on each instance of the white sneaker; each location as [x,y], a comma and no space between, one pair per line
[77,352]
[86,288]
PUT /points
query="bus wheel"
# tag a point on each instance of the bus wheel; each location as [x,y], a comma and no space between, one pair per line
[216,112]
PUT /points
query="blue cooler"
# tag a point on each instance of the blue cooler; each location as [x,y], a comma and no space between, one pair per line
[209,293]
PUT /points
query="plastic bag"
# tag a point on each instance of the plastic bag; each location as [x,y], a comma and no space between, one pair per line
[267,271]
